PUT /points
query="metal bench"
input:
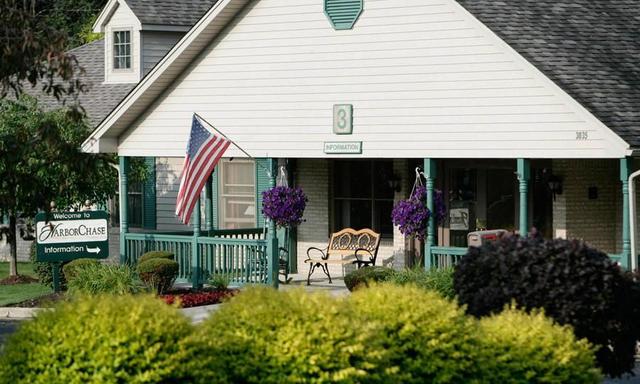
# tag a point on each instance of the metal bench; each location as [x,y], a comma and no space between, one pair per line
[359,247]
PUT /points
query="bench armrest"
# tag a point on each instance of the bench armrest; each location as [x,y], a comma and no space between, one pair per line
[323,253]
[360,261]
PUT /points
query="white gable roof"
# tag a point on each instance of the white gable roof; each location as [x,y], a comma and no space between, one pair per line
[425,78]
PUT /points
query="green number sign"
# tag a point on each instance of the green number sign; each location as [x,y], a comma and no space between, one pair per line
[64,236]
[343,119]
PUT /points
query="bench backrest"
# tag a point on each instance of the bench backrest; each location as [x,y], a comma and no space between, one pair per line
[346,241]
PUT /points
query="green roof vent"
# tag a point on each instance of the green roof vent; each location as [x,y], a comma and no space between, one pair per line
[343,13]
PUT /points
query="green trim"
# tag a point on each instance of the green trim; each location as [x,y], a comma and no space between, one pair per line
[124,206]
[430,171]
[273,253]
[263,183]
[215,208]
[625,171]
[196,267]
[524,174]
[149,195]
[343,14]
[208,206]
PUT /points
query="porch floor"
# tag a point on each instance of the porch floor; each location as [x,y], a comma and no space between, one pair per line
[318,284]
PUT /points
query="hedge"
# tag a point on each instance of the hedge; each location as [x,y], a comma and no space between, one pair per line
[156,255]
[158,274]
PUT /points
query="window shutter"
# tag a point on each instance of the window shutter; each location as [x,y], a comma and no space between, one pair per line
[262,184]
[149,190]
[343,13]
[214,198]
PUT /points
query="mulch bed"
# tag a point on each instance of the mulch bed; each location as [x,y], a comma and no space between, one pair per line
[45,301]
[20,279]
[187,298]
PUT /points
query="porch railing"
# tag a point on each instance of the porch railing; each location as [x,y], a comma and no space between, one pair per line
[444,257]
[240,255]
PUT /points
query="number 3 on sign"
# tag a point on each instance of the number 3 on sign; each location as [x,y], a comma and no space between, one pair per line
[343,119]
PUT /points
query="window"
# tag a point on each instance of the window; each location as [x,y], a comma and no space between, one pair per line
[122,50]
[363,197]
[237,194]
[136,207]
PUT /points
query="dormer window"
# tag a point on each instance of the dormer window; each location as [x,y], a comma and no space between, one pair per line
[122,50]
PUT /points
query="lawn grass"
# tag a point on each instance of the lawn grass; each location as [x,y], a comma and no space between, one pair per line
[11,294]
[23,269]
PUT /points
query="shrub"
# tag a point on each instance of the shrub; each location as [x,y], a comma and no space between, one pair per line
[156,255]
[266,336]
[96,279]
[573,283]
[158,274]
[70,268]
[219,281]
[44,271]
[366,275]
[439,280]
[109,339]
[413,336]
[529,348]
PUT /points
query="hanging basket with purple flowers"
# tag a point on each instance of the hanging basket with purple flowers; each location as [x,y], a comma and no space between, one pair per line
[284,205]
[411,216]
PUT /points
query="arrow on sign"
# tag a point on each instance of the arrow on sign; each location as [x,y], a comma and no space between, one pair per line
[95,250]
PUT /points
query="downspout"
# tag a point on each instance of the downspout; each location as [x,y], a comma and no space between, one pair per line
[632,219]
[119,191]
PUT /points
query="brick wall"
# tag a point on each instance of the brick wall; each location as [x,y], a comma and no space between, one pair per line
[597,221]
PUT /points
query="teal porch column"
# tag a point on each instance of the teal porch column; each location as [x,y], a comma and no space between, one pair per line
[124,206]
[208,206]
[430,169]
[524,174]
[625,171]
[273,258]
[196,267]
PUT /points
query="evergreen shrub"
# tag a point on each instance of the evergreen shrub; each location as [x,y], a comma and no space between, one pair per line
[364,276]
[69,269]
[575,285]
[529,348]
[436,279]
[158,274]
[156,255]
[105,339]
[98,278]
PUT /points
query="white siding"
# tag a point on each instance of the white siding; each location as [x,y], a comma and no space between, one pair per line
[426,79]
[122,19]
[155,45]
[167,184]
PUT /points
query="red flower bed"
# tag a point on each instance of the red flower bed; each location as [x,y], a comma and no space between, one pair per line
[188,299]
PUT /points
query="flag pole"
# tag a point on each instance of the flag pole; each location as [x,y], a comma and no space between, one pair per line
[232,142]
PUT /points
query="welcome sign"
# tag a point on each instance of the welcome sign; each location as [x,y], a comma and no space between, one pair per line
[64,236]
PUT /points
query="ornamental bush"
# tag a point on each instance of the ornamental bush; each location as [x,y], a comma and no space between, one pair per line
[44,271]
[366,275]
[158,274]
[529,348]
[105,339]
[98,279]
[268,336]
[436,279]
[69,269]
[156,255]
[574,284]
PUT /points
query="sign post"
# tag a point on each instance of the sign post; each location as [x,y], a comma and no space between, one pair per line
[66,236]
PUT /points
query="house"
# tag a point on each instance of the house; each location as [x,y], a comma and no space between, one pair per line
[523,113]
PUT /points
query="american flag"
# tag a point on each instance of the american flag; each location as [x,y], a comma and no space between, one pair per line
[203,153]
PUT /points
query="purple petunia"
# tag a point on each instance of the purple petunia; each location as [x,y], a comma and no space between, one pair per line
[411,216]
[284,205]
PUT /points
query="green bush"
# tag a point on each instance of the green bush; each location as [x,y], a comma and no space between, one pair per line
[69,269]
[268,336]
[156,255]
[158,274]
[106,339]
[96,279]
[411,335]
[219,281]
[366,275]
[574,284]
[44,271]
[437,279]
[529,348]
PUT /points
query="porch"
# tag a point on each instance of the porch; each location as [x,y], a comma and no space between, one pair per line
[251,255]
